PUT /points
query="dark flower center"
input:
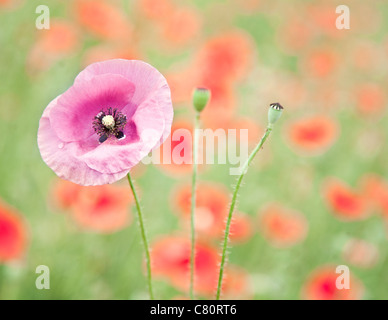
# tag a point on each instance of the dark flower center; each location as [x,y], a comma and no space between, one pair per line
[109,123]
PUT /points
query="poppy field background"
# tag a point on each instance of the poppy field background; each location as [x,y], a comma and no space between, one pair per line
[316,196]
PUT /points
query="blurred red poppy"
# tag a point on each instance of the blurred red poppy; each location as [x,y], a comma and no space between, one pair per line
[312,135]
[375,190]
[170,258]
[320,63]
[102,209]
[281,226]
[345,203]
[155,9]
[103,19]
[107,52]
[181,25]
[212,207]
[321,285]
[62,39]
[13,234]
[65,193]
[371,98]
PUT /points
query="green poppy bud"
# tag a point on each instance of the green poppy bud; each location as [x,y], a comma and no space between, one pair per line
[201,97]
[274,113]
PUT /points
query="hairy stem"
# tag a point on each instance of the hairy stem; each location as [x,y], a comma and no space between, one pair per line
[244,168]
[193,203]
[143,235]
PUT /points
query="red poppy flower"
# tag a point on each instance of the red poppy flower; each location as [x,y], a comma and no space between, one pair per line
[212,207]
[212,203]
[156,9]
[375,190]
[65,193]
[320,63]
[227,56]
[102,209]
[102,19]
[180,25]
[370,98]
[170,258]
[13,234]
[107,52]
[312,135]
[281,226]
[345,203]
[321,285]
[62,39]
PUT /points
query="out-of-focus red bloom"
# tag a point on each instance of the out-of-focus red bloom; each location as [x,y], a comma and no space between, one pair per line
[65,193]
[102,209]
[104,52]
[320,63]
[181,83]
[13,234]
[212,207]
[102,19]
[212,203]
[10,4]
[370,98]
[321,285]
[62,37]
[240,228]
[312,135]
[60,40]
[156,9]
[375,190]
[281,226]
[180,25]
[323,17]
[179,150]
[227,56]
[170,258]
[361,253]
[345,203]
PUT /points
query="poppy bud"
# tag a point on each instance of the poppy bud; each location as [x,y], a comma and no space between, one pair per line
[274,113]
[201,97]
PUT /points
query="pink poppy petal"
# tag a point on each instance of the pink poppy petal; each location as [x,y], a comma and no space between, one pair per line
[84,100]
[149,83]
[117,155]
[59,156]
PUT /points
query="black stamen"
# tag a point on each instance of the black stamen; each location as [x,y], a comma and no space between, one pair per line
[103,138]
[104,132]
[120,135]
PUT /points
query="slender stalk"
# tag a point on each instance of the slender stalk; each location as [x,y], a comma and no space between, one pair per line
[193,203]
[143,235]
[244,168]
[2,269]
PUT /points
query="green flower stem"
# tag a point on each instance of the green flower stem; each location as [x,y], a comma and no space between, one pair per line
[244,168]
[193,203]
[143,235]
[2,277]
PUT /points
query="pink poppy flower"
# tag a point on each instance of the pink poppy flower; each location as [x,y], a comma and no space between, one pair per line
[115,113]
